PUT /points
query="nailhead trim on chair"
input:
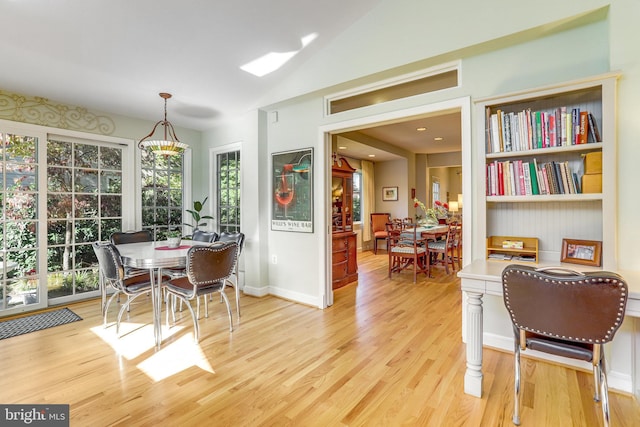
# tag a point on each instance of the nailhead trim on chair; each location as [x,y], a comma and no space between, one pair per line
[215,248]
[619,318]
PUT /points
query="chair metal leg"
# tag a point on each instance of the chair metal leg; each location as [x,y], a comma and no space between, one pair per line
[516,381]
[106,307]
[126,307]
[226,301]
[604,391]
[236,288]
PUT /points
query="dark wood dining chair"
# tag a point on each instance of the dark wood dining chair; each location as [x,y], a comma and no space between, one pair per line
[406,249]
[378,223]
[565,313]
[209,269]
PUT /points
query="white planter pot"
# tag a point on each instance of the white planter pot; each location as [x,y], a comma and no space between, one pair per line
[173,242]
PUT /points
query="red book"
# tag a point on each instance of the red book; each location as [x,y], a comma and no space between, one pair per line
[584,126]
[500,179]
[552,130]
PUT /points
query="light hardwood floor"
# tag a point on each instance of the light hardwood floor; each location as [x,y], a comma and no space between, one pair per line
[387,353]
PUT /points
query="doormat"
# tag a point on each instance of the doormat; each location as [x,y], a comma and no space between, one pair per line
[36,322]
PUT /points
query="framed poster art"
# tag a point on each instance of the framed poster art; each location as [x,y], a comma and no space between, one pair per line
[389,194]
[585,252]
[292,191]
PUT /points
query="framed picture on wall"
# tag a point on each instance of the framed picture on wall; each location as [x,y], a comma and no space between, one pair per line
[585,252]
[292,190]
[389,194]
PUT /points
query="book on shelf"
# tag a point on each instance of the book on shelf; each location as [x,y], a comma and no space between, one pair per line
[528,183]
[529,130]
[495,134]
[576,183]
[500,139]
[575,126]
[533,174]
[538,131]
[584,127]
[506,131]
[593,129]
[502,257]
[563,126]
[527,178]
[526,258]
[500,169]
[552,130]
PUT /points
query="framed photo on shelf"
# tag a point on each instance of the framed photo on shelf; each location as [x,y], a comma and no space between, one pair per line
[292,191]
[389,194]
[585,252]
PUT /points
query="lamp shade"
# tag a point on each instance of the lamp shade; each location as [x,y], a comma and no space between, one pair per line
[170,145]
[453,206]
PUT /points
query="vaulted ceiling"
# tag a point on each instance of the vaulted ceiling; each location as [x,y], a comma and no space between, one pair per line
[116,56]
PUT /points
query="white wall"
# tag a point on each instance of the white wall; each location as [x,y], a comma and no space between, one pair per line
[526,50]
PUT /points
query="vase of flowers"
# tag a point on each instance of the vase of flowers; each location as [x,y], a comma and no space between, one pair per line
[430,215]
[442,211]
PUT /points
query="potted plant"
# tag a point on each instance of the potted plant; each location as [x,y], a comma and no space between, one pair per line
[173,238]
[195,215]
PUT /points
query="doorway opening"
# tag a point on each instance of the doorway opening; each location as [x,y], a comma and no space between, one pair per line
[328,134]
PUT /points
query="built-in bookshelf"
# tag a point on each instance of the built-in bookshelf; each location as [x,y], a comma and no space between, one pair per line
[533,148]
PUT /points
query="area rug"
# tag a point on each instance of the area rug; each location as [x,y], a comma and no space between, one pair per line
[36,322]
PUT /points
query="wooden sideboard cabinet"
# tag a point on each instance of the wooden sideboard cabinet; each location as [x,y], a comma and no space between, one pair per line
[344,245]
[344,258]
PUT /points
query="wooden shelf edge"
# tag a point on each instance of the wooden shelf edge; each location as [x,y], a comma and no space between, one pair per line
[546,198]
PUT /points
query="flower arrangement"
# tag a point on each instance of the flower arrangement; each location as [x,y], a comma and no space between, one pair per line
[429,214]
[442,209]
[438,211]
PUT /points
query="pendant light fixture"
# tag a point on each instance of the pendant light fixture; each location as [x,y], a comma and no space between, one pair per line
[170,145]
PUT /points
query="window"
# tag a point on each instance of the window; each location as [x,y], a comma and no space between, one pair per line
[435,190]
[357,196]
[162,196]
[84,204]
[228,191]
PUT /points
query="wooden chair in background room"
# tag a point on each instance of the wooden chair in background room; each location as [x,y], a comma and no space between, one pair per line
[406,249]
[565,313]
[457,243]
[406,222]
[444,247]
[209,269]
[378,223]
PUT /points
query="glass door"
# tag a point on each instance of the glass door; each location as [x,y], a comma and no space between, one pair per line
[21,278]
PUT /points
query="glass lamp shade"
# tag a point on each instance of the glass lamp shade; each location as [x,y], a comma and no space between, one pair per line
[163,147]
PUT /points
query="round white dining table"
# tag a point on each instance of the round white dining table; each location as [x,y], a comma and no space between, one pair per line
[155,256]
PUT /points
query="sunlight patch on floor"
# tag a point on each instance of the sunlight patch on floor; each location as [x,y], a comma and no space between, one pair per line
[175,357]
[137,338]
